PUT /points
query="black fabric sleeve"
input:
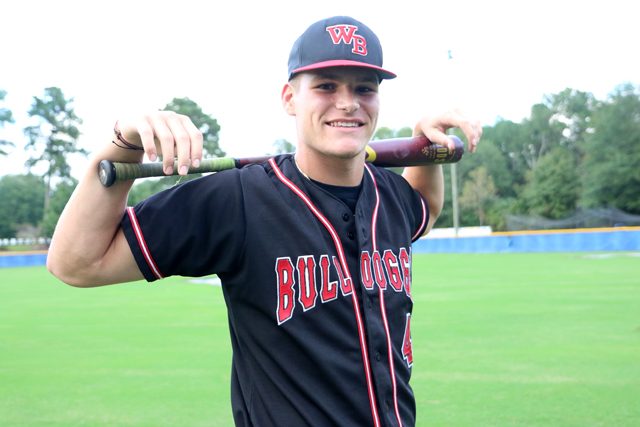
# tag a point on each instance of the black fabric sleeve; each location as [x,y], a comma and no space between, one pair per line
[414,204]
[421,214]
[194,229]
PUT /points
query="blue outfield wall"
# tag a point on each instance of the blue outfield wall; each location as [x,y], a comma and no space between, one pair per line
[583,240]
[23,259]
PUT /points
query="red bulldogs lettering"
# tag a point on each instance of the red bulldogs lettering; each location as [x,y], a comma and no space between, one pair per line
[303,280]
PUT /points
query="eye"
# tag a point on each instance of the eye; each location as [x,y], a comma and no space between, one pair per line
[326,86]
[367,89]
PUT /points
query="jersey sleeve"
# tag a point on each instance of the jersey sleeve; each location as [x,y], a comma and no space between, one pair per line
[421,213]
[414,205]
[194,229]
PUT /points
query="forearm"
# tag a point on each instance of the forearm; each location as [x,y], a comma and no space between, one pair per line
[88,226]
[429,182]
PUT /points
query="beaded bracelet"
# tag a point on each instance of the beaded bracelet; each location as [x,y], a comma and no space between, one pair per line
[124,143]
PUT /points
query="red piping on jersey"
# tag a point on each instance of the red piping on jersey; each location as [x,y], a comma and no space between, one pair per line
[383,308]
[143,244]
[424,219]
[345,268]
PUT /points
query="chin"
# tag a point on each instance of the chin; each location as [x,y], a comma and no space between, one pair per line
[349,150]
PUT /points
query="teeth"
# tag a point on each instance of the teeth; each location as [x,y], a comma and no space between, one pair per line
[345,124]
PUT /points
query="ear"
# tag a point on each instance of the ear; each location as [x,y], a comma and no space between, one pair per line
[288,99]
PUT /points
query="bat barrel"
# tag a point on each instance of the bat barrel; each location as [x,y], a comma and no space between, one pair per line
[416,151]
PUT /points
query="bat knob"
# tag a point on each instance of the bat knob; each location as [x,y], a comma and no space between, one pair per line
[107,173]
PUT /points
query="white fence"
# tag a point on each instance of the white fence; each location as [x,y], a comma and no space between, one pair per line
[19,241]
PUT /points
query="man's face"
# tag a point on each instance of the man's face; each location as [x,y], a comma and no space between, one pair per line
[336,109]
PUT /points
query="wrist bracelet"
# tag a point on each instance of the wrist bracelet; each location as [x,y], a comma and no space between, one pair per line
[123,142]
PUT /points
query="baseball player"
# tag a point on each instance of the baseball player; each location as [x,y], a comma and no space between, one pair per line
[313,249]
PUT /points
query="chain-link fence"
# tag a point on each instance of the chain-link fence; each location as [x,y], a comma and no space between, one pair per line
[582,218]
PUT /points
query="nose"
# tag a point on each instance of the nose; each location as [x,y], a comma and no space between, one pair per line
[347,100]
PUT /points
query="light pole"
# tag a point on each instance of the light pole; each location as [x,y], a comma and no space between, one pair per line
[454,174]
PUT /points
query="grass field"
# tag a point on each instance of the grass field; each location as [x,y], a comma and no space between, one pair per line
[499,340]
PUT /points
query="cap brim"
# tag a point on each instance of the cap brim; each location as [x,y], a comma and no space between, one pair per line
[384,74]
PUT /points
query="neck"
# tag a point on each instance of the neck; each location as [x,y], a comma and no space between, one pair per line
[346,172]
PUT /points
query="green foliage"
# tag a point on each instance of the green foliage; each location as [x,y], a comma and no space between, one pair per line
[496,163]
[554,185]
[478,192]
[572,151]
[508,137]
[58,201]
[204,122]
[210,146]
[21,204]
[497,213]
[5,117]
[611,172]
[541,134]
[53,137]
[573,109]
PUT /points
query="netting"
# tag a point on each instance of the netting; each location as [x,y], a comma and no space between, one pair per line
[582,218]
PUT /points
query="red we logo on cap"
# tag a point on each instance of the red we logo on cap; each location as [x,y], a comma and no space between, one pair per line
[347,34]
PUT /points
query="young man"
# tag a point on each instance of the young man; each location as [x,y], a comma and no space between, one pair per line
[313,250]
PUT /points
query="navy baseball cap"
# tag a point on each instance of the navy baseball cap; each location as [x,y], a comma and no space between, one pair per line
[340,41]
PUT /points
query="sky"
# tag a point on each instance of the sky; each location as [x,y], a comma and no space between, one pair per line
[122,58]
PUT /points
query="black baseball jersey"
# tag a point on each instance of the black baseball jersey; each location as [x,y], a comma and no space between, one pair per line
[318,296]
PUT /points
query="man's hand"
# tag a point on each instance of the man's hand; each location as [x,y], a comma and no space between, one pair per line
[429,180]
[435,129]
[168,135]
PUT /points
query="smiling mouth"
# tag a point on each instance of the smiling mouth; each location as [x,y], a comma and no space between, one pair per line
[345,124]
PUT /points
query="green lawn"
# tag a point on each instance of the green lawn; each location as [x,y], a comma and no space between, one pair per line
[499,340]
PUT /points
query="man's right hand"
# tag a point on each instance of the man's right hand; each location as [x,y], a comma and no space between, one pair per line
[166,134]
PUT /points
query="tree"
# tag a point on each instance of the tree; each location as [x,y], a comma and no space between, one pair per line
[210,147]
[204,122]
[554,185]
[54,137]
[496,164]
[573,109]
[5,117]
[478,191]
[612,153]
[508,137]
[541,134]
[21,202]
[58,201]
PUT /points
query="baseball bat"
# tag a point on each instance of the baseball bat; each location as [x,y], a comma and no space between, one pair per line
[394,152]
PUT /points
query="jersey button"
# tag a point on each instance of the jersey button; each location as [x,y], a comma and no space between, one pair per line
[346,217]
[351,235]
[378,357]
